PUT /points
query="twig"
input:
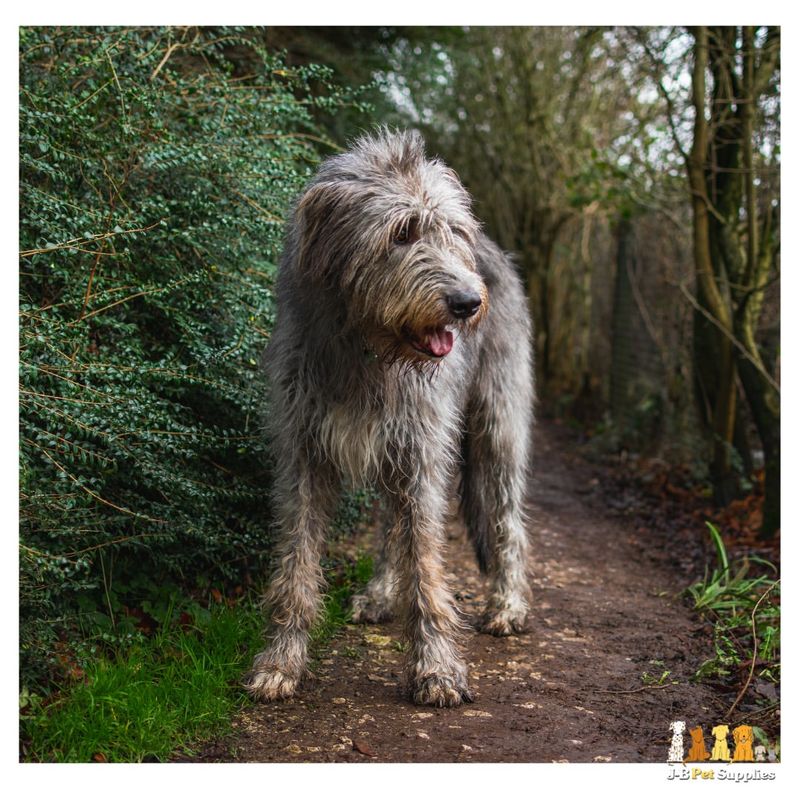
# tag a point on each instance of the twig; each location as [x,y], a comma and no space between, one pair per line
[755,650]
[249,201]
[636,691]
[88,292]
[645,313]
[76,243]
[759,713]
[170,50]
[734,341]
[90,492]
[658,80]
[143,293]
[119,89]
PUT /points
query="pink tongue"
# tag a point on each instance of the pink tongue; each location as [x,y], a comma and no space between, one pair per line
[441,342]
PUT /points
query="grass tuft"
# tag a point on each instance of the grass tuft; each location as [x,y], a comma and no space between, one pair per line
[742,600]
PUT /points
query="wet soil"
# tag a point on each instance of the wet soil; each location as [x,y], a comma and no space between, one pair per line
[607,609]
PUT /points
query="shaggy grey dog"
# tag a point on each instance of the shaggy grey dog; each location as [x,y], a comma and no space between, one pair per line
[401,355]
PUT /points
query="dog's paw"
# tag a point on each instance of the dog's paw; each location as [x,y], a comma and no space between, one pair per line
[441,691]
[366,610]
[265,684]
[503,622]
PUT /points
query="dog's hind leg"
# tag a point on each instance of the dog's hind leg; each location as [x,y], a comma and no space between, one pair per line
[377,603]
[494,480]
[305,498]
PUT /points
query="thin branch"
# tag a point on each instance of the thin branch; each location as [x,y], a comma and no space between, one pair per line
[270,217]
[736,343]
[636,691]
[170,50]
[656,62]
[80,241]
[755,651]
[88,491]
[119,89]
[144,292]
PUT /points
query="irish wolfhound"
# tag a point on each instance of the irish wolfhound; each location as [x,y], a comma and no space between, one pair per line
[401,353]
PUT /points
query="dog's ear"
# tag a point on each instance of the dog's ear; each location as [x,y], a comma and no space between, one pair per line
[322,248]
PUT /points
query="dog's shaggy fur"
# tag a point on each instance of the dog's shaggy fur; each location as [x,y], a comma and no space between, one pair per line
[401,353]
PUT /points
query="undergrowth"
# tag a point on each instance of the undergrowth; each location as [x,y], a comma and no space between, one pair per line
[742,601]
[162,693]
[172,690]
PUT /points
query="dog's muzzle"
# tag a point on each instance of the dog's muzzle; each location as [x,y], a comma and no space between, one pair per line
[464,304]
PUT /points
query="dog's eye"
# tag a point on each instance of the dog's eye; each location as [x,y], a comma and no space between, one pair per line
[407,233]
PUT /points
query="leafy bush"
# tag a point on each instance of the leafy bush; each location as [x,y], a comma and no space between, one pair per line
[156,168]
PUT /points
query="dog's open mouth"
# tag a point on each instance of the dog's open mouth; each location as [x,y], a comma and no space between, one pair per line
[434,342]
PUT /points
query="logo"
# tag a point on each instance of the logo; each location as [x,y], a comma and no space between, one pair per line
[741,748]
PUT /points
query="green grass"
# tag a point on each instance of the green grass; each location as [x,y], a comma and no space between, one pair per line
[742,600]
[171,691]
[178,687]
[344,579]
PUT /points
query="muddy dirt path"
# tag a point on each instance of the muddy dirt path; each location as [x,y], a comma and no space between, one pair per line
[569,690]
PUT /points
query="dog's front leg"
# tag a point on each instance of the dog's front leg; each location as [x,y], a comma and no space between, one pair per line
[305,499]
[436,673]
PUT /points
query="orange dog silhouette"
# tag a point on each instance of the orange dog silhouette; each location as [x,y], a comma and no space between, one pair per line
[697,752]
[743,736]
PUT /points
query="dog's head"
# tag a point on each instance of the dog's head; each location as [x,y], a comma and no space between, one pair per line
[696,734]
[743,734]
[390,234]
[678,727]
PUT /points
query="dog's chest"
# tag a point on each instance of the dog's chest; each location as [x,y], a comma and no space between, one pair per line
[354,439]
[370,436]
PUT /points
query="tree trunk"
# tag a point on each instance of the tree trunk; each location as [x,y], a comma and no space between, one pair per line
[723,413]
[622,338]
[765,406]
[762,395]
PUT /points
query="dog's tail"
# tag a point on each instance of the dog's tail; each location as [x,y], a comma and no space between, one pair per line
[473,506]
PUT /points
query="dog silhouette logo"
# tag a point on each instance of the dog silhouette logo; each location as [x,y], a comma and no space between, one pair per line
[697,752]
[720,751]
[743,737]
[676,746]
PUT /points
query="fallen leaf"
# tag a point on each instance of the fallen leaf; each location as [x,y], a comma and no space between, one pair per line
[363,748]
[377,639]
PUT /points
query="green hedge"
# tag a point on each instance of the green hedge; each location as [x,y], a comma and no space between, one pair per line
[156,166]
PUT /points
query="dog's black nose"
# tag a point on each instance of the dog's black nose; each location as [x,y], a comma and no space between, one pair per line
[463,304]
